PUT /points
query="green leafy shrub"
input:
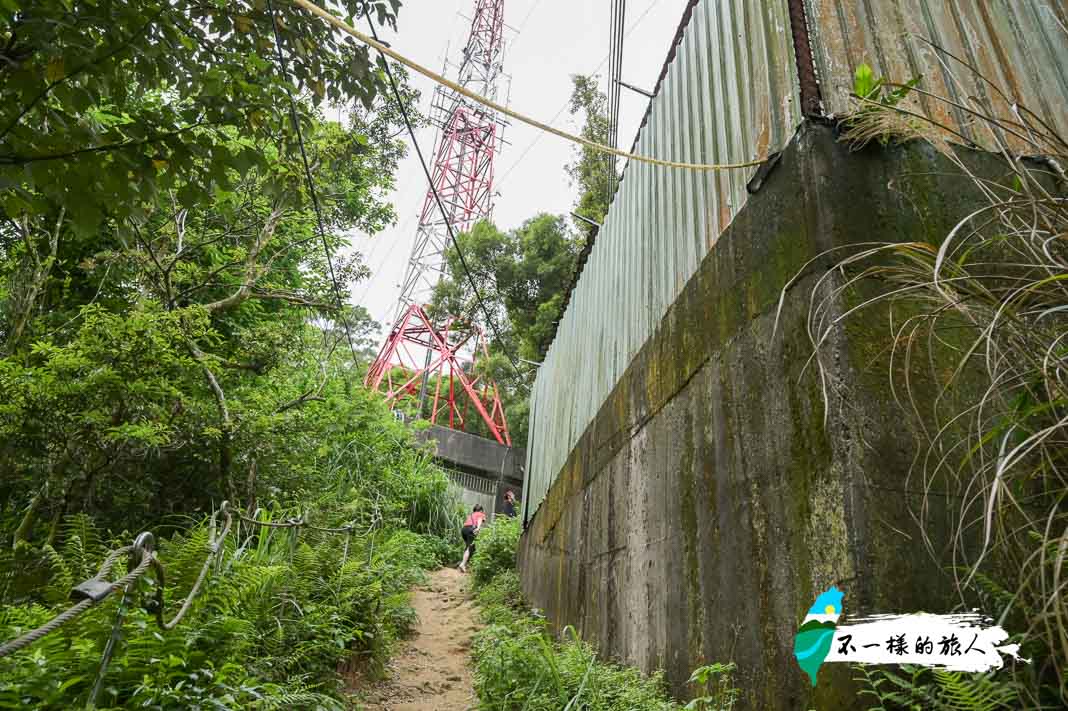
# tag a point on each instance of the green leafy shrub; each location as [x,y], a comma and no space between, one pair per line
[500,600]
[495,549]
[422,550]
[715,686]
[518,665]
[269,629]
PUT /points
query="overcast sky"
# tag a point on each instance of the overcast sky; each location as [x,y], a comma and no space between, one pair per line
[556,39]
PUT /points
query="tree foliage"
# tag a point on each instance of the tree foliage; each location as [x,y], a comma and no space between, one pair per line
[120,104]
[592,173]
[167,310]
[170,337]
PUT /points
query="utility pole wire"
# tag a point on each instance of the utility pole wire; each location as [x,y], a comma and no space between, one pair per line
[311,182]
[504,110]
[567,102]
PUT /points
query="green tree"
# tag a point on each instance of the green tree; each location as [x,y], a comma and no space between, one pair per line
[593,173]
[117,103]
[170,337]
[164,295]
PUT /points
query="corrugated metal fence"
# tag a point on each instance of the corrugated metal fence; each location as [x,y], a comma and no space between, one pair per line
[1019,46]
[731,94]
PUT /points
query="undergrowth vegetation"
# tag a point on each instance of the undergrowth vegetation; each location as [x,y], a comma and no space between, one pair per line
[496,550]
[519,665]
[174,208]
[986,314]
[283,612]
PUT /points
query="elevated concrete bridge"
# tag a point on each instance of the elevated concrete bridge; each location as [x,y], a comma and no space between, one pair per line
[481,469]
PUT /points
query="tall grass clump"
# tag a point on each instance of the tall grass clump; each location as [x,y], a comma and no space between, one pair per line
[987,315]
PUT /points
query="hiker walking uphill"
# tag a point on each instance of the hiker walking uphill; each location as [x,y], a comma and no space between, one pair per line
[471,528]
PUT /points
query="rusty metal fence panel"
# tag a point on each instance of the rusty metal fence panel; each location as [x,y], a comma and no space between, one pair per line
[729,95]
[1000,51]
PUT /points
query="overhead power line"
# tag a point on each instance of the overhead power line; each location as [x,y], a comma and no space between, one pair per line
[311,183]
[523,24]
[534,141]
[619,8]
[615,71]
[504,110]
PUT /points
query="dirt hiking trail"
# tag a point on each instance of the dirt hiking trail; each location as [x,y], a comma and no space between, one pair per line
[430,671]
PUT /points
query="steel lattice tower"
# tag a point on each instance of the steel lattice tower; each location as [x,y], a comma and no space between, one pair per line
[464,156]
[462,177]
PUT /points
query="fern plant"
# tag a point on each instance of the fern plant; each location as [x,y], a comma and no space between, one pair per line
[270,630]
[922,689]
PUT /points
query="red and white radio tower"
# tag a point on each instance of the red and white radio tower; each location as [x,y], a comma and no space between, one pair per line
[416,349]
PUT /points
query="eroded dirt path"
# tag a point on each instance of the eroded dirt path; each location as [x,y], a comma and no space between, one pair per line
[430,671]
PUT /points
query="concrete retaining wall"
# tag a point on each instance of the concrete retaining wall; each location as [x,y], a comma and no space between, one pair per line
[708,503]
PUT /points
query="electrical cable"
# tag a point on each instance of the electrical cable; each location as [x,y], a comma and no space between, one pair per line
[311,182]
[504,110]
[437,199]
[611,70]
[615,71]
[619,70]
[369,257]
[614,75]
[523,24]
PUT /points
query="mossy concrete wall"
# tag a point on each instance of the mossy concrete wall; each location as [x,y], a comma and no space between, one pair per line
[714,497]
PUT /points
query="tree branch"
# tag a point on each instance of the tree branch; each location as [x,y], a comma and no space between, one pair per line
[291,298]
[107,55]
[120,145]
[306,397]
[224,417]
[36,281]
[252,270]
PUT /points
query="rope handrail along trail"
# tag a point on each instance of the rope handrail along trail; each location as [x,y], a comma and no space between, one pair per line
[143,556]
[95,591]
[213,551]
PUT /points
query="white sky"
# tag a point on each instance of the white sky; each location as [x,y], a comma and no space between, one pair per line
[557,38]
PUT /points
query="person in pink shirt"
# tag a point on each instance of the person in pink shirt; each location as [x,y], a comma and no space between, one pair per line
[469,531]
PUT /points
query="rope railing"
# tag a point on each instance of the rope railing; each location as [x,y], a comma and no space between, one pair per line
[142,557]
[92,592]
[288,523]
[213,551]
[344,529]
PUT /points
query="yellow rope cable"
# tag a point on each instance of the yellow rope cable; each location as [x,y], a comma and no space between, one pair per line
[433,76]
